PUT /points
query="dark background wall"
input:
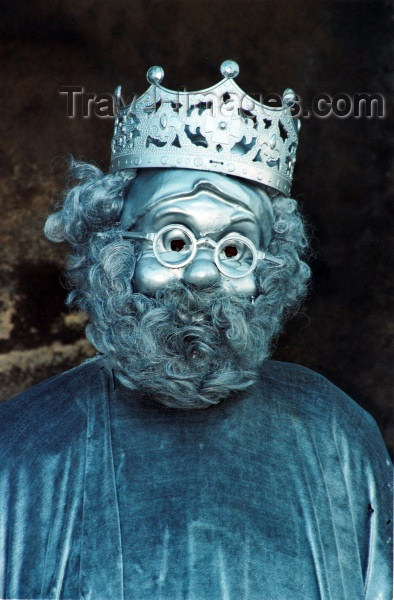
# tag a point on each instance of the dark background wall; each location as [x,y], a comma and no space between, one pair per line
[342,178]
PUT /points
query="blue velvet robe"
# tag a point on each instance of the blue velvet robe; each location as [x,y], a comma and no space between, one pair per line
[281,494]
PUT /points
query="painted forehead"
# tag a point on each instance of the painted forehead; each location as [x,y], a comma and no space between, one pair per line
[153,186]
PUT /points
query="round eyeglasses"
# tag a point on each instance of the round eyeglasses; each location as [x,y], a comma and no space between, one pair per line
[175,246]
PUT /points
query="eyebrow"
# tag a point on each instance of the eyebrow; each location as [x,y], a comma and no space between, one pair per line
[239,218]
[162,212]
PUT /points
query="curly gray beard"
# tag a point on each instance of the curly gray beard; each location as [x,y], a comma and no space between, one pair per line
[183,348]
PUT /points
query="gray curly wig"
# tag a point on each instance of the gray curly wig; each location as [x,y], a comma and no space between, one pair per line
[184,348]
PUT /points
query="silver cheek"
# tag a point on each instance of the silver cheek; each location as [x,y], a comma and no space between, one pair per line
[246,286]
[150,275]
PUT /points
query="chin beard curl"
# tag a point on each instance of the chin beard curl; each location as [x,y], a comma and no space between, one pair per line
[187,348]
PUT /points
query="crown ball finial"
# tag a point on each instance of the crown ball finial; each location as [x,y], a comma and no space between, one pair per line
[229,69]
[155,75]
[289,97]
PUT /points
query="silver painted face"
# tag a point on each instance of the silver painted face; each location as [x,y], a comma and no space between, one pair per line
[202,238]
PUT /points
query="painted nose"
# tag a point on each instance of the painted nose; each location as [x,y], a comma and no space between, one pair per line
[201,273]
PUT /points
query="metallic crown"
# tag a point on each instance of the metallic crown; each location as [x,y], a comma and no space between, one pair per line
[218,129]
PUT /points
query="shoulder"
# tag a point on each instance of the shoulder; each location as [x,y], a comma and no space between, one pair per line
[66,386]
[308,389]
[321,425]
[310,398]
[53,409]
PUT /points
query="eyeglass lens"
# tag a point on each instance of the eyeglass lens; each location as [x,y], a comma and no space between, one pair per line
[174,246]
[235,257]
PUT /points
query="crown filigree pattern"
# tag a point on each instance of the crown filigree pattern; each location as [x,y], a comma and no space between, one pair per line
[217,129]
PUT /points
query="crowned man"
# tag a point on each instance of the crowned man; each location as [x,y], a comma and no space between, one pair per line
[182,463]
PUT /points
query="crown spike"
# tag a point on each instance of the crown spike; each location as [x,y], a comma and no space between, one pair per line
[155,75]
[118,97]
[289,97]
[229,69]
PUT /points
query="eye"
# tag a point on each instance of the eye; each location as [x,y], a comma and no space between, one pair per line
[177,245]
[231,251]
[175,240]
